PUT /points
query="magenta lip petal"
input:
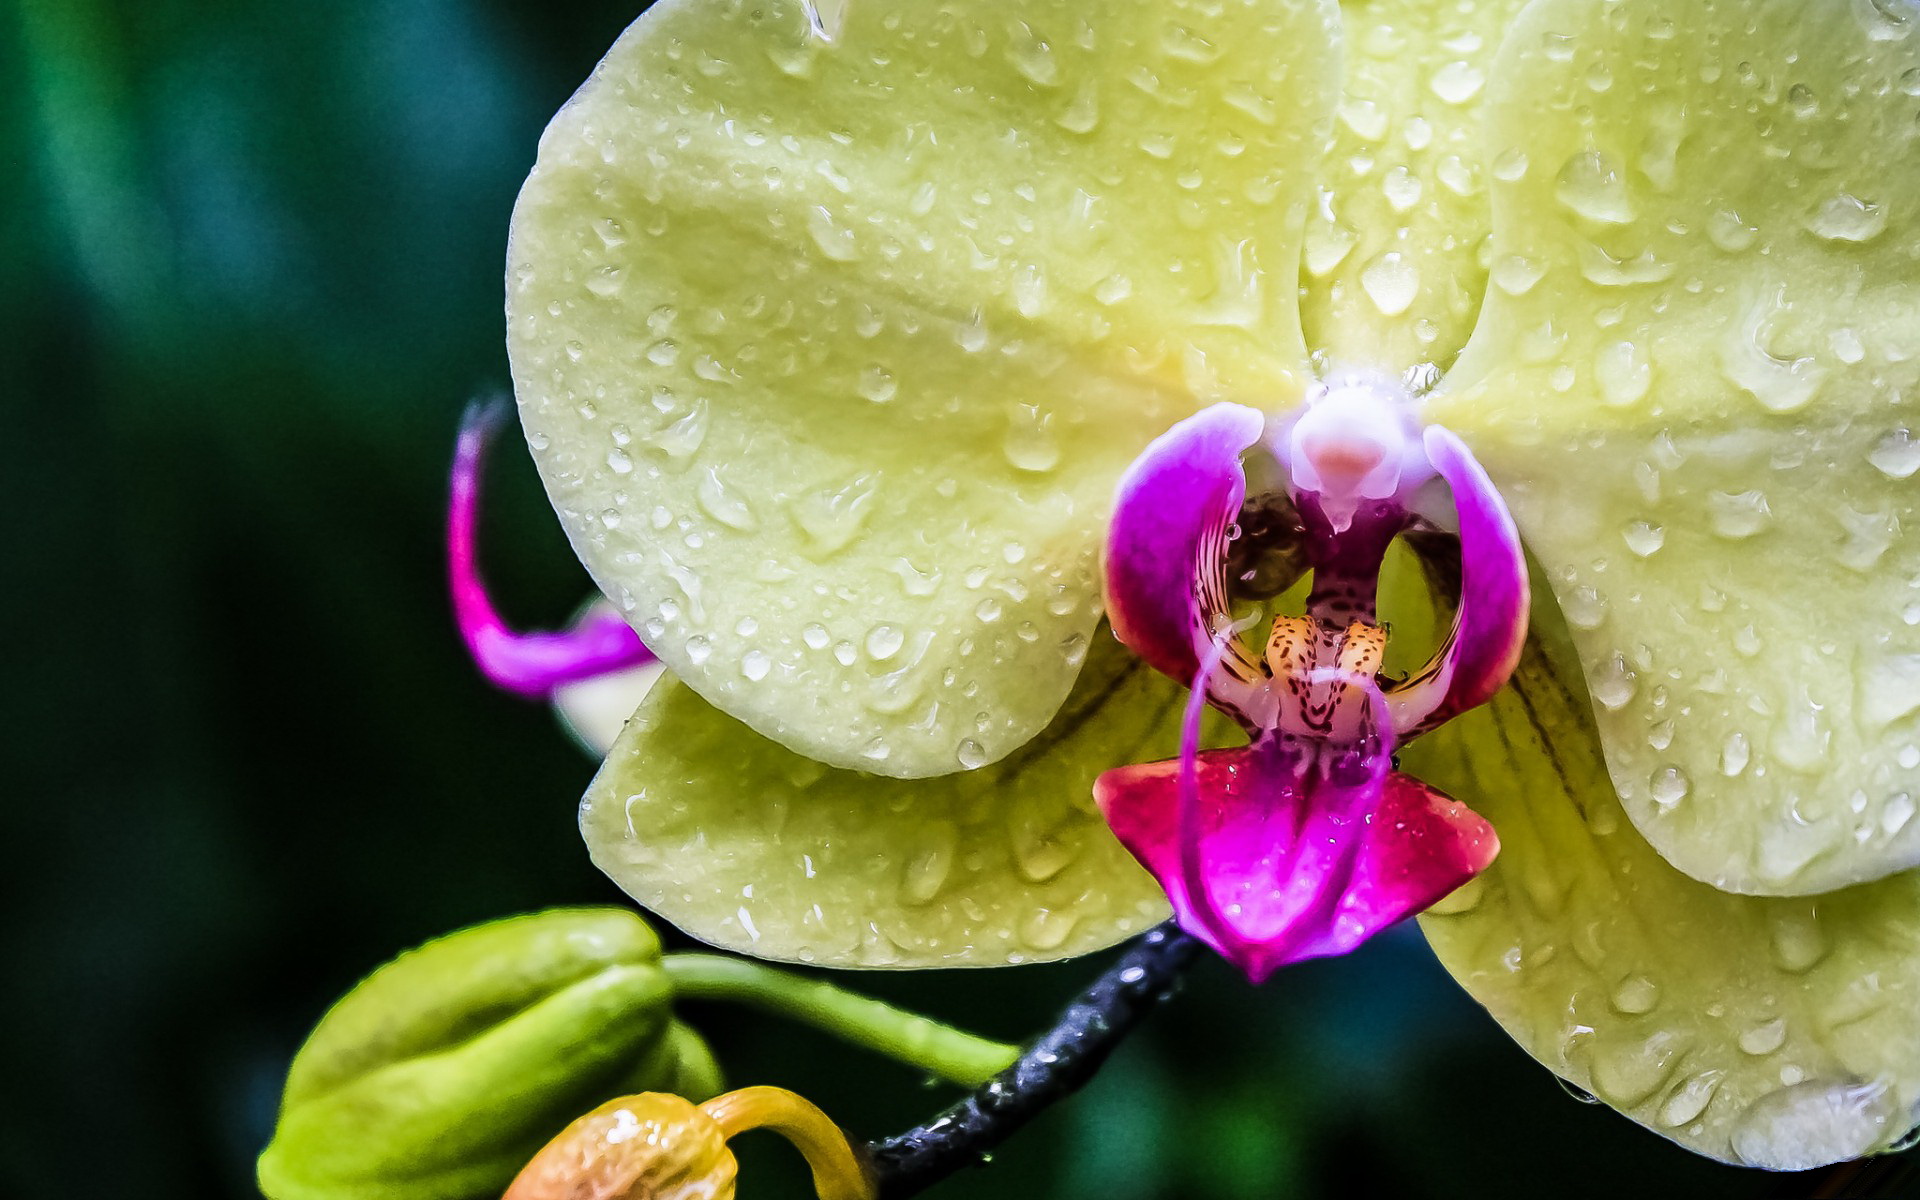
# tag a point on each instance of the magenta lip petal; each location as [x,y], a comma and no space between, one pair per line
[1299,863]
[1490,623]
[1166,544]
[528,664]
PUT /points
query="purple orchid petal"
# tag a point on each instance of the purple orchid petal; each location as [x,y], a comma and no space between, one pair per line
[1283,850]
[1166,546]
[528,664]
[1490,622]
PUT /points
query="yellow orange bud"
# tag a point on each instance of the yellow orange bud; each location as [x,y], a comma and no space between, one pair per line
[656,1146]
[653,1146]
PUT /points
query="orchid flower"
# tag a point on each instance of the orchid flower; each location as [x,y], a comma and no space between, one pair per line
[872,353]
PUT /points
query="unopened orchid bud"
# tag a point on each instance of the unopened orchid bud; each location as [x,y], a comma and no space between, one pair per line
[656,1146]
[441,1073]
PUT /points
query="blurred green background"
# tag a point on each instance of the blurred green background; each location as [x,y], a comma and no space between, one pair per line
[250,261]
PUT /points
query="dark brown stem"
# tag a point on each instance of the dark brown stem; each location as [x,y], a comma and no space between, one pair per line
[1053,1067]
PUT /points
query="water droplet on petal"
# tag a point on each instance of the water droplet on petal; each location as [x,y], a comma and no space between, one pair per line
[1765,1037]
[1636,994]
[1458,82]
[1897,455]
[1847,218]
[1644,538]
[1591,186]
[1029,443]
[834,239]
[1669,786]
[1690,1099]
[1738,514]
[884,641]
[971,755]
[1392,282]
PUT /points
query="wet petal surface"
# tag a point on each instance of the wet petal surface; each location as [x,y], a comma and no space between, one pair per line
[755,848]
[833,325]
[1394,269]
[1700,407]
[1771,1031]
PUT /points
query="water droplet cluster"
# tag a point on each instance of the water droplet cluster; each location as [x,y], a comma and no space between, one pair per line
[843,320]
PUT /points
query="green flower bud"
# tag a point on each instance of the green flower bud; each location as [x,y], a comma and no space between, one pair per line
[446,1069]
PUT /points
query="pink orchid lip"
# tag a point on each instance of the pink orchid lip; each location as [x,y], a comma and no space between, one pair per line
[527,664]
[1305,842]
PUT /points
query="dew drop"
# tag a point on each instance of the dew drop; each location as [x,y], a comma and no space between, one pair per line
[1623,373]
[1897,455]
[970,755]
[1239,297]
[1738,514]
[971,334]
[883,642]
[930,861]
[1402,189]
[1391,282]
[1636,994]
[1690,1099]
[1046,929]
[1668,786]
[1578,1093]
[1735,752]
[724,504]
[1895,812]
[755,664]
[1591,186]
[1585,608]
[1847,218]
[1516,274]
[1510,166]
[681,440]
[1797,940]
[1032,56]
[1612,683]
[1644,538]
[1458,82]
[1030,291]
[1082,113]
[1764,1038]
[1029,442]
[1327,245]
[878,385]
[831,517]
[1814,1123]
[1727,230]
[834,239]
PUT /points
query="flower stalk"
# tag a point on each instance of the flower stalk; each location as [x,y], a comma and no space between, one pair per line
[1054,1066]
[941,1050]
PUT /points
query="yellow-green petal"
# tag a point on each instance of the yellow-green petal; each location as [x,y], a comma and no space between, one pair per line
[755,848]
[1772,1031]
[1393,266]
[833,324]
[1700,409]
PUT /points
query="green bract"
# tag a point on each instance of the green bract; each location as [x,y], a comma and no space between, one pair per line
[833,325]
[441,1073]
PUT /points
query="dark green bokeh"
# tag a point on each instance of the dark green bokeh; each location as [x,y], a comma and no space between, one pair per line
[250,264]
